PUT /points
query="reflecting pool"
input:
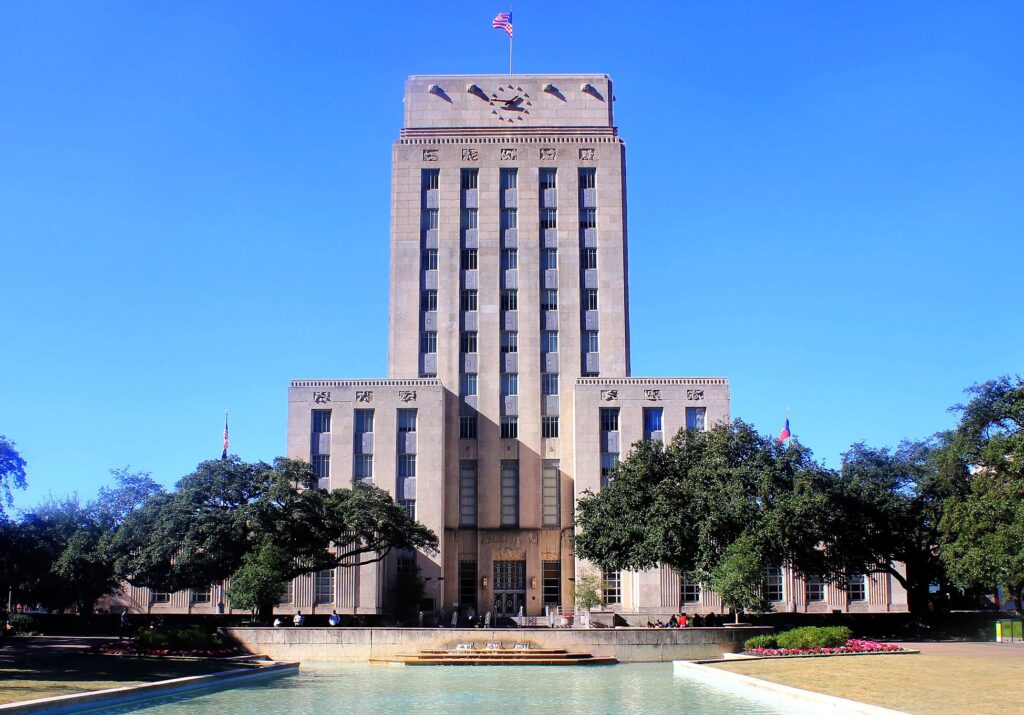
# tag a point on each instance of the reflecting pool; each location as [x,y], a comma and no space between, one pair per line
[648,688]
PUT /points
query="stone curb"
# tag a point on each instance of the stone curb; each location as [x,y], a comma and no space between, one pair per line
[775,694]
[77,702]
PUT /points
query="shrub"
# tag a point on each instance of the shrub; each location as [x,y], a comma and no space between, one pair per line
[181,639]
[766,641]
[23,623]
[814,637]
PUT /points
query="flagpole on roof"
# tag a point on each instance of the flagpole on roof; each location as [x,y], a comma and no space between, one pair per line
[510,43]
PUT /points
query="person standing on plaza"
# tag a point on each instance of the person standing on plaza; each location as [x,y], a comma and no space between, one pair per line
[298,619]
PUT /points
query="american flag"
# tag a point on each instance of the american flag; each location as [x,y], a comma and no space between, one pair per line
[503,22]
[224,454]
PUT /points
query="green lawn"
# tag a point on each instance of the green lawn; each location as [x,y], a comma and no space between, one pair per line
[77,673]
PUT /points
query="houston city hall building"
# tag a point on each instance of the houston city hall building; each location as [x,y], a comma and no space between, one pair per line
[509,391]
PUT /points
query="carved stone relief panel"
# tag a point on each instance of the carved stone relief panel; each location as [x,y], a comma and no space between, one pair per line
[364,396]
[430,155]
[322,396]
[509,154]
[547,153]
[470,154]
[587,154]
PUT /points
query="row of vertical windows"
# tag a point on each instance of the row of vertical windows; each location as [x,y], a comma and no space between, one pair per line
[430,220]
[550,493]
[510,492]
[362,457]
[467,492]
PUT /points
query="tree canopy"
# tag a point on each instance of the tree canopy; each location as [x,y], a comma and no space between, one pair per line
[687,505]
[12,473]
[264,524]
[983,524]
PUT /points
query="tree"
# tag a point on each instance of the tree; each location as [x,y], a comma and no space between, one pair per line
[885,511]
[687,504]
[738,578]
[61,559]
[12,472]
[983,523]
[267,524]
[586,591]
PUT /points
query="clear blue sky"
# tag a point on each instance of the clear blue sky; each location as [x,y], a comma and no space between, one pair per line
[826,205]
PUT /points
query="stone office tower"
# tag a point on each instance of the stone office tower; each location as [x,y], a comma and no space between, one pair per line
[509,390]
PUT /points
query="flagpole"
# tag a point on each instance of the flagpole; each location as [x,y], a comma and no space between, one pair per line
[510,43]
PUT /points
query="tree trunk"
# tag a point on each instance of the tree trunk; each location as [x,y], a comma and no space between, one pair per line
[265,613]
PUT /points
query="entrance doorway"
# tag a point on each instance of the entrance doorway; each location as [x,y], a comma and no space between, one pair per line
[509,587]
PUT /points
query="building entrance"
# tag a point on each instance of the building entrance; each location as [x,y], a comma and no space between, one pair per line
[509,587]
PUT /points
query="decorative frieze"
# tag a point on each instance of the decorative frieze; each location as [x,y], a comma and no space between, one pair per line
[547,153]
[587,154]
[321,397]
[470,154]
[430,155]
[407,395]
[364,395]
[509,154]
[609,395]
[695,394]
[652,394]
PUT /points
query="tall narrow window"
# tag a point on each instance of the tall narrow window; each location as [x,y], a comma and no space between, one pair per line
[590,299]
[588,218]
[509,218]
[510,492]
[609,460]
[509,427]
[611,589]
[406,466]
[468,341]
[431,179]
[590,343]
[469,179]
[549,383]
[547,179]
[549,426]
[407,420]
[773,583]
[362,468]
[652,422]
[689,591]
[509,384]
[428,341]
[814,588]
[549,259]
[429,301]
[468,257]
[467,300]
[695,418]
[363,421]
[509,300]
[322,466]
[467,492]
[550,494]
[549,341]
[469,218]
[549,299]
[609,419]
[467,427]
[468,384]
[430,219]
[509,259]
[857,588]
[508,179]
[588,178]
[467,585]
[548,218]
[430,259]
[509,341]
[588,258]
[321,421]
[552,574]
[323,586]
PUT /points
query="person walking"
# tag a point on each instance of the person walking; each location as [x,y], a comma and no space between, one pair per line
[298,619]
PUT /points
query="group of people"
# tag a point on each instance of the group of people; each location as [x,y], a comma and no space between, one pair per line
[299,620]
[680,621]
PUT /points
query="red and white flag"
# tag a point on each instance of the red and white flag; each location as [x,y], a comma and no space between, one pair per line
[503,22]
[224,454]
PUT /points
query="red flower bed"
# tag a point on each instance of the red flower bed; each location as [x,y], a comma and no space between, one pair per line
[124,647]
[852,646]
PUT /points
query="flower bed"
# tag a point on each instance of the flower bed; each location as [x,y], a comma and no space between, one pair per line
[127,647]
[852,646]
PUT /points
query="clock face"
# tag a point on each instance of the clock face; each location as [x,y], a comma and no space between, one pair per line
[509,103]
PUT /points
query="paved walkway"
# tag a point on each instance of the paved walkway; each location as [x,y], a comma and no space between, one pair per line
[30,648]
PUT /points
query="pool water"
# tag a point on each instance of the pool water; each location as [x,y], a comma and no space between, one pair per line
[648,688]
